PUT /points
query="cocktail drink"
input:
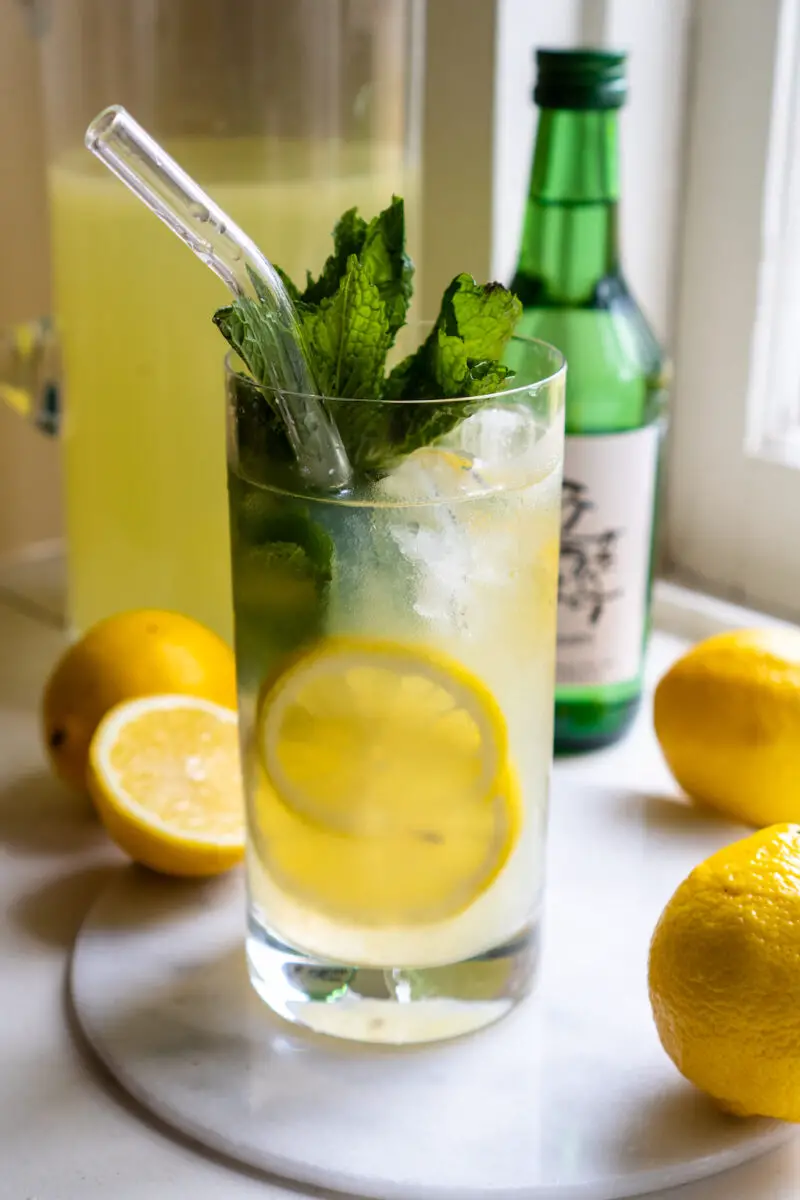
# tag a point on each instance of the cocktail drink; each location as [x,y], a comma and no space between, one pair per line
[395,651]
[394,534]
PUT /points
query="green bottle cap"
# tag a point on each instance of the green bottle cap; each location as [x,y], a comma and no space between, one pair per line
[580,79]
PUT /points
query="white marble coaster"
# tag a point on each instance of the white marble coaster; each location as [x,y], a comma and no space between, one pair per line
[569,1098]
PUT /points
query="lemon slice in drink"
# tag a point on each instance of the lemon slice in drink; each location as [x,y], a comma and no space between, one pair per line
[413,876]
[165,778]
[386,795]
[367,736]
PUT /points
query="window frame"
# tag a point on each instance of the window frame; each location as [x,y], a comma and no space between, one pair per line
[732,505]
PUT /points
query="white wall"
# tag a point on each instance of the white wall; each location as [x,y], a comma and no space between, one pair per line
[656,33]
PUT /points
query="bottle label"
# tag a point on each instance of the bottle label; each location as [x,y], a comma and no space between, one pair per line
[607,514]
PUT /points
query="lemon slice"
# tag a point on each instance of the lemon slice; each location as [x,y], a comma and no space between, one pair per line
[385,793]
[417,875]
[372,737]
[164,775]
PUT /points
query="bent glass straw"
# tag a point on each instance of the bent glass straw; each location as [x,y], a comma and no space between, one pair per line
[155,178]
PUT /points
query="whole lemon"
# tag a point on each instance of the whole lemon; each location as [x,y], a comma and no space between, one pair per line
[130,654]
[725,975]
[727,716]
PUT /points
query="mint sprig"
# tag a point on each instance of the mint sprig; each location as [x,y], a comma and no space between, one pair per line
[349,317]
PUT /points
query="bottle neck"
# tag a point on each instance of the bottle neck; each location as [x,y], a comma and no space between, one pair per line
[569,241]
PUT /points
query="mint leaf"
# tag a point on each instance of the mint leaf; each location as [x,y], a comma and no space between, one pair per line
[484,378]
[290,285]
[457,359]
[482,316]
[265,452]
[416,424]
[472,330]
[296,540]
[349,234]
[251,329]
[380,248]
[283,563]
[348,336]
[259,286]
[365,428]
[384,256]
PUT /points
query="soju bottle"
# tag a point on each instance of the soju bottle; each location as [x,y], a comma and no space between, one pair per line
[575,296]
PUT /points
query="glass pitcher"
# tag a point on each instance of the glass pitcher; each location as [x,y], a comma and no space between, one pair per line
[287,114]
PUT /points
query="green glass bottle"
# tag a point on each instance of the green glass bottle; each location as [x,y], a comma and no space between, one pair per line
[574,295]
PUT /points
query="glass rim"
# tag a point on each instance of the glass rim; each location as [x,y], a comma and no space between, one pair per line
[533,385]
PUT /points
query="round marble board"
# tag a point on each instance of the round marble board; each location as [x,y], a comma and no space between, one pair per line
[569,1098]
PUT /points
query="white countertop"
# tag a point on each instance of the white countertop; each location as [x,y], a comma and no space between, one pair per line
[66,1131]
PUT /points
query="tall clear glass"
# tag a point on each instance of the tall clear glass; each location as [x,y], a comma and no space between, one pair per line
[395,659]
[287,114]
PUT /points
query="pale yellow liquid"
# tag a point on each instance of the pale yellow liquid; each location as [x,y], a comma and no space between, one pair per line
[146,503]
[475,579]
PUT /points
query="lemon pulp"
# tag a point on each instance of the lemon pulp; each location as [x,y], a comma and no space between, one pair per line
[164,775]
[386,796]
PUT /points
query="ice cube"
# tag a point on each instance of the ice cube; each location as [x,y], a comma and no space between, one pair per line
[423,521]
[509,444]
[430,474]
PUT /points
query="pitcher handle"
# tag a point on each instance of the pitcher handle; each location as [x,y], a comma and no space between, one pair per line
[30,373]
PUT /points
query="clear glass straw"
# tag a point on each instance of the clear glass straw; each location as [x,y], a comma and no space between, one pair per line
[155,178]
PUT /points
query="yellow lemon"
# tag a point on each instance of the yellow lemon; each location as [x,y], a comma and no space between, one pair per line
[164,775]
[130,654]
[419,874]
[385,794]
[725,975]
[727,716]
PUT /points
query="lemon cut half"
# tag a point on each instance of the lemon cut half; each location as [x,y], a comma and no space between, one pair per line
[165,778]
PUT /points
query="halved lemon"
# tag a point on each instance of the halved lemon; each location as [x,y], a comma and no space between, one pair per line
[165,778]
[385,793]
[424,872]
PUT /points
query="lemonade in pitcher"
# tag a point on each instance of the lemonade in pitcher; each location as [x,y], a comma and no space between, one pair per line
[286,114]
[145,469]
